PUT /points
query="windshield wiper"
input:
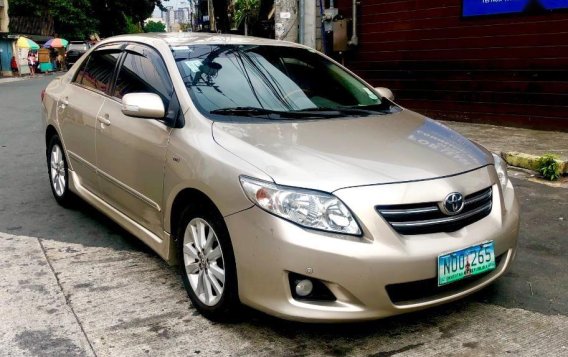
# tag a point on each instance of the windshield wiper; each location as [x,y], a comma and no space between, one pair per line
[338,111]
[244,111]
[254,111]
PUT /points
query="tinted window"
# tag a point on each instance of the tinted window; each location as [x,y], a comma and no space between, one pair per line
[282,79]
[143,72]
[77,47]
[97,73]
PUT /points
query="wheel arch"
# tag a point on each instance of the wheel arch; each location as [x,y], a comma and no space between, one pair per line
[50,131]
[189,197]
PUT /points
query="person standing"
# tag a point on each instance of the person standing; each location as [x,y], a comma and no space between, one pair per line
[53,59]
[14,66]
[32,63]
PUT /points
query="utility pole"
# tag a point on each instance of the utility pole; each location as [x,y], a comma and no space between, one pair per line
[211,13]
[286,20]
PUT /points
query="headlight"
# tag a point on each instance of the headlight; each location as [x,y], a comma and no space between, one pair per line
[501,167]
[310,209]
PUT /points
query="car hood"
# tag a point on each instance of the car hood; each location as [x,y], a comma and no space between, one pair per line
[336,153]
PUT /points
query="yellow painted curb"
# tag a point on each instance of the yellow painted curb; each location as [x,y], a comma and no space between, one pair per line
[527,161]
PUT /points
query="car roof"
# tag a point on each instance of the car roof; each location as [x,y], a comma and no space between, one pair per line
[174,39]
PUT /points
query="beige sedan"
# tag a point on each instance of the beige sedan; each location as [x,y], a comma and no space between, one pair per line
[276,178]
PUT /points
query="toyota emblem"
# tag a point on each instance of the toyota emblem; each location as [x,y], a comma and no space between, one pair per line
[453,204]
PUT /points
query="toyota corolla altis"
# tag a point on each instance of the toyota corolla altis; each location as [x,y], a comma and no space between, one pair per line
[276,178]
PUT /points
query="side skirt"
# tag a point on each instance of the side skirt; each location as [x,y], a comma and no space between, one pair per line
[162,246]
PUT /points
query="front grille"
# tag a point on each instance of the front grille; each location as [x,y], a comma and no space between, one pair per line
[421,290]
[423,218]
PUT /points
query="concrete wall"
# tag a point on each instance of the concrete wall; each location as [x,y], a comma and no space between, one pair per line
[5,44]
[4,19]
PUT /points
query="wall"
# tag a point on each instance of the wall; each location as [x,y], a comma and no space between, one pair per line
[4,19]
[5,44]
[510,70]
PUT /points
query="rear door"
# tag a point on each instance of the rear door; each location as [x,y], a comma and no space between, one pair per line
[131,151]
[78,107]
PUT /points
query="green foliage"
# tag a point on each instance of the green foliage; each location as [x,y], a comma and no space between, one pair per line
[132,27]
[152,26]
[77,19]
[73,19]
[548,167]
[27,8]
[245,11]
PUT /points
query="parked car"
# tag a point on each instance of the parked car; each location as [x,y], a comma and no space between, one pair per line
[277,178]
[75,50]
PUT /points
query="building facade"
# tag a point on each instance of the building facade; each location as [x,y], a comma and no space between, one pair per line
[6,43]
[467,60]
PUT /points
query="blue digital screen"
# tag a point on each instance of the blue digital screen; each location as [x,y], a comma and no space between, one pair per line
[554,4]
[496,7]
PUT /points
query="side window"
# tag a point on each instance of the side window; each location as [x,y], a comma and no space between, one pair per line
[143,71]
[97,73]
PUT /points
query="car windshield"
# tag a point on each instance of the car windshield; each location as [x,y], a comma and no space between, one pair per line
[77,47]
[274,81]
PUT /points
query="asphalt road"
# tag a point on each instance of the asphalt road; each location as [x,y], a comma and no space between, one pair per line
[74,283]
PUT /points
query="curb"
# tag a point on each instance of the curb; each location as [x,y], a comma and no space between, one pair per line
[27,77]
[527,161]
[11,79]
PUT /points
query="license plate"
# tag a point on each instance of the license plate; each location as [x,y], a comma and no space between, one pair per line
[470,261]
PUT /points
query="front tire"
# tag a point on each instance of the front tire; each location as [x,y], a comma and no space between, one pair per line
[58,172]
[207,264]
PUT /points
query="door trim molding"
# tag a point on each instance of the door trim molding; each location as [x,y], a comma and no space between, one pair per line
[72,155]
[128,189]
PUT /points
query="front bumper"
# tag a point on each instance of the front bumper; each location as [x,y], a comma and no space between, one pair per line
[357,270]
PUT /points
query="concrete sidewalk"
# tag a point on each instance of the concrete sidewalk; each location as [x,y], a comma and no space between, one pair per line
[27,77]
[507,139]
[520,147]
[34,311]
[73,299]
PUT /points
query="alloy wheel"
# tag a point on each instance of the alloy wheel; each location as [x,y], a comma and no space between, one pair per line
[57,170]
[203,261]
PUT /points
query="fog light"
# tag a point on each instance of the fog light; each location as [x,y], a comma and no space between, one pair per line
[304,287]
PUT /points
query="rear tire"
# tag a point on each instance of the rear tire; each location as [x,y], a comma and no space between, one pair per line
[58,171]
[207,264]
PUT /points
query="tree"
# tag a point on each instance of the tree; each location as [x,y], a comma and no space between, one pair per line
[246,11]
[77,19]
[72,19]
[152,26]
[132,27]
[115,13]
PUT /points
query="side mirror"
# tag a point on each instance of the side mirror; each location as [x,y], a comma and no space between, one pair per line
[385,92]
[143,105]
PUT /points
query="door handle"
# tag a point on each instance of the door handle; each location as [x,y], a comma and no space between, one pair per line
[104,119]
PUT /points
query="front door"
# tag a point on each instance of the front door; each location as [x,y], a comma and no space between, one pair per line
[130,151]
